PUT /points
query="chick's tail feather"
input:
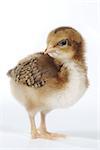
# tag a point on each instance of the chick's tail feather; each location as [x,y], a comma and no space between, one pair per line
[10,73]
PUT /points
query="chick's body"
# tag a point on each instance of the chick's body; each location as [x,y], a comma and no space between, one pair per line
[40,82]
[54,79]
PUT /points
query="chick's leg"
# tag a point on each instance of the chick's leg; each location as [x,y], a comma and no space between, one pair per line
[34,132]
[43,130]
[42,127]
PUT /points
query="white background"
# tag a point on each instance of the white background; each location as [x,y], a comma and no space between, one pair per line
[24,26]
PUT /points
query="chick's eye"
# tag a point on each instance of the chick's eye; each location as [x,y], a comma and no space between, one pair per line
[63,42]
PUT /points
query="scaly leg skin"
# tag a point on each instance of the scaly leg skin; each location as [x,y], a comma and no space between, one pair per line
[34,132]
[43,133]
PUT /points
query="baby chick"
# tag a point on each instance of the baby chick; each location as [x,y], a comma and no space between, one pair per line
[56,78]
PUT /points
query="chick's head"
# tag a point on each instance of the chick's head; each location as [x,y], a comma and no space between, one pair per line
[65,43]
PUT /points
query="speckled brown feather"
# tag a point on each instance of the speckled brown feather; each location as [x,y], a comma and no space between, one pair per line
[35,71]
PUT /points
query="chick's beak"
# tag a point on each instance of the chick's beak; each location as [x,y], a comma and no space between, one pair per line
[45,52]
[48,50]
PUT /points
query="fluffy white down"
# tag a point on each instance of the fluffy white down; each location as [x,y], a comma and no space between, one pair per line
[73,90]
